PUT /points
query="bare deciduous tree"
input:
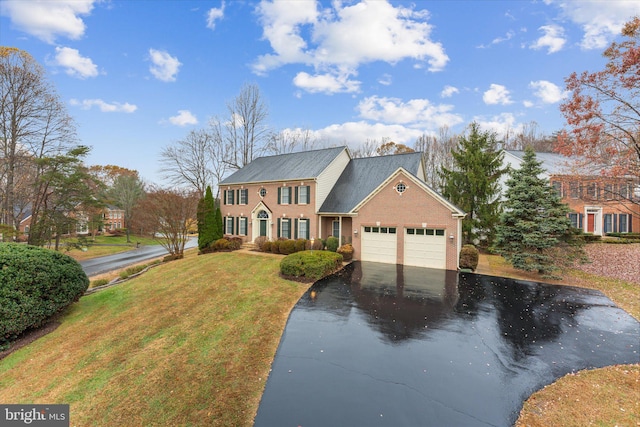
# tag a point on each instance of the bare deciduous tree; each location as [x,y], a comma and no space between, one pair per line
[34,124]
[169,213]
[126,191]
[246,128]
[436,153]
[290,141]
[188,162]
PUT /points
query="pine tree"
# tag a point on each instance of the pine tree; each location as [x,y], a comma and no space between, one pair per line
[472,184]
[535,233]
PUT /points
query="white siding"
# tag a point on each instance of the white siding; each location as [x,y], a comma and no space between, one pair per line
[328,177]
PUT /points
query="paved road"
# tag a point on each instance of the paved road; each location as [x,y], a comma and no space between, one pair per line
[108,263]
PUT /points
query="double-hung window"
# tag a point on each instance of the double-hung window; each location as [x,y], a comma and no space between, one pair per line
[335,232]
[573,217]
[243,196]
[242,226]
[623,226]
[285,228]
[303,195]
[303,229]
[228,197]
[284,195]
[557,186]
[608,223]
[228,228]
[574,189]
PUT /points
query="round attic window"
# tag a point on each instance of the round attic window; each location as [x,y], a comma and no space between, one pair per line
[400,187]
[263,192]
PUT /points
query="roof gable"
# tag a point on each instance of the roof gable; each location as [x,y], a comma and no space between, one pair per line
[362,176]
[285,167]
[401,171]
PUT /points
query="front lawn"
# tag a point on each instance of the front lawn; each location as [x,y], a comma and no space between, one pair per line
[187,343]
[105,245]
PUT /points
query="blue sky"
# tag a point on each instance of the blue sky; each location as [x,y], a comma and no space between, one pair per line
[139,75]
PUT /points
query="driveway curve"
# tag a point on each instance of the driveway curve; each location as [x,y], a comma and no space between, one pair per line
[386,345]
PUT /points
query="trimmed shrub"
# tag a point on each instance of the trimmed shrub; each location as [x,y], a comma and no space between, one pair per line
[221,245]
[287,247]
[275,246]
[310,265]
[35,284]
[260,242]
[98,282]
[469,256]
[266,246]
[172,257]
[301,245]
[235,243]
[626,235]
[591,238]
[332,243]
[318,245]
[131,271]
[346,251]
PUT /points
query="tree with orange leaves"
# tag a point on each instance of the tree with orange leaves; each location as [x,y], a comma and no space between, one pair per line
[604,111]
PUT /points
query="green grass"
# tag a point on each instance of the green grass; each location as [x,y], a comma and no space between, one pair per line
[96,250]
[187,343]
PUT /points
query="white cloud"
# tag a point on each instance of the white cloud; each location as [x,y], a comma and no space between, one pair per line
[508,36]
[105,107]
[553,39]
[342,38]
[417,112]
[48,20]
[325,83]
[164,66]
[501,124]
[601,20]
[214,15]
[183,118]
[547,92]
[354,134]
[75,64]
[449,91]
[527,103]
[385,79]
[497,94]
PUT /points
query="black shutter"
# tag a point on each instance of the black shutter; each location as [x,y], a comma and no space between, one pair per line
[308,221]
[295,228]
[296,197]
[279,195]
[279,224]
[580,217]
[630,222]
[225,196]
[237,225]
[615,223]
[308,194]
[290,200]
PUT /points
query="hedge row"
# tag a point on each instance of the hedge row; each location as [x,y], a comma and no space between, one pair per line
[35,284]
[310,265]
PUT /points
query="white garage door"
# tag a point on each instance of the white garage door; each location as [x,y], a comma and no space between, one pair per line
[379,244]
[425,247]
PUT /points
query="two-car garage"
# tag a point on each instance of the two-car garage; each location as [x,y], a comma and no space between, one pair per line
[421,247]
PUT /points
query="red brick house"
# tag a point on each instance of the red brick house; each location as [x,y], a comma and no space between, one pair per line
[381,205]
[598,204]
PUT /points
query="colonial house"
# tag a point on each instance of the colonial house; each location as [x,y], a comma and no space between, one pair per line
[381,205]
[113,219]
[598,204]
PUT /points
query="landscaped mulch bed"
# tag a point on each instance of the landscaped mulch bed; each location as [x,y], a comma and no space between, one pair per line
[616,261]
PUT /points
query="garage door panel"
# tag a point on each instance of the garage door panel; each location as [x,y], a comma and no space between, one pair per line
[421,250]
[379,247]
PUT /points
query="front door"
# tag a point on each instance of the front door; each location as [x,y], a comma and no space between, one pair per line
[263,227]
[591,223]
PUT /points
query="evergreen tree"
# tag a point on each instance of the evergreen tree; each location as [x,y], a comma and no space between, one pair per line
[472,184]
[535,233]
[206,221]
[218,226]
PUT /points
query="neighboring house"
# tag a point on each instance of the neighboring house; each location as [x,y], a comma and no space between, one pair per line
[381,205]
[113,218]
[598,204]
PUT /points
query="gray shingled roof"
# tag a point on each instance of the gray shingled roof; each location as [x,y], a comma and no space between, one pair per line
[285,167]
[555,164]
[362,176]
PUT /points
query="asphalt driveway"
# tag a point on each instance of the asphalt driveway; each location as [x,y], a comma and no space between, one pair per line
[386,345]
